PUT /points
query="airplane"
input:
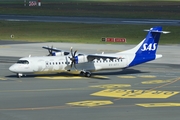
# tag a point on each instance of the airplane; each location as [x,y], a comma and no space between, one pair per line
[83,64]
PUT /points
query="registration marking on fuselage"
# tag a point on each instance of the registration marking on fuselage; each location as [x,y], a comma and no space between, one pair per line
[159,105]
[121,93]
[91,103]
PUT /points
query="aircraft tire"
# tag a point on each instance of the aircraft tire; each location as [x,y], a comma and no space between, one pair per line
[88,74]
[85,73]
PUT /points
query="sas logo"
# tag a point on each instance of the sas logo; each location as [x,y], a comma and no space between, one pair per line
[149,47]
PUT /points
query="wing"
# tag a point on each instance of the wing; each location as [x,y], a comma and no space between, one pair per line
[55,51]
[52,49]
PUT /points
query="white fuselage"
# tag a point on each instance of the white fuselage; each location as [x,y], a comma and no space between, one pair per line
[57,64]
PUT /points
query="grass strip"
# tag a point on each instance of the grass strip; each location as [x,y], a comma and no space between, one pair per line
[80,33]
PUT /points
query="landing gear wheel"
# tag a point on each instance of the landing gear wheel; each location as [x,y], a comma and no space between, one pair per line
[85,73]
[88,74]
[19,75]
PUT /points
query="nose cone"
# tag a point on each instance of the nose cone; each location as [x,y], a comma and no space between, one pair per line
[12,68]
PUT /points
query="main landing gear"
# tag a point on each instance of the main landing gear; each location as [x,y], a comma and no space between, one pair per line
[85,73]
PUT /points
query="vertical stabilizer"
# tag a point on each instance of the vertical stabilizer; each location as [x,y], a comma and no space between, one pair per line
[146,50]
[150,43]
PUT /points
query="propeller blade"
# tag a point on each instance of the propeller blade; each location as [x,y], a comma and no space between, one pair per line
[49,51]
[72,63]
[75,53]
[71,51]
[73,60]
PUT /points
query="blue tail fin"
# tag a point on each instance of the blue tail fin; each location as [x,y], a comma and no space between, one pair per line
[146,50]
[150,43]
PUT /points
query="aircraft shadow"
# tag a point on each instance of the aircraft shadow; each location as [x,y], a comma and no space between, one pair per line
[94,75]
[45,75]
[122,72]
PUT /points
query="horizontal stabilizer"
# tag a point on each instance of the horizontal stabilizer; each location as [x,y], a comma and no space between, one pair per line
[158,56]
[157,31]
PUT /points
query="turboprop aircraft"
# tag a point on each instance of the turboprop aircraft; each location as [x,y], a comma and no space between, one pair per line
[72,62]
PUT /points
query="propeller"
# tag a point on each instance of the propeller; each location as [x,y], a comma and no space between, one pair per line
[50,51]
[73,58]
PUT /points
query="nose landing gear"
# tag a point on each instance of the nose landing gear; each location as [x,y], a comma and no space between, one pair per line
[19,75]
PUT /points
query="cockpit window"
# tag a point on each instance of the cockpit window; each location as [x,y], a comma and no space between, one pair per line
[22,62]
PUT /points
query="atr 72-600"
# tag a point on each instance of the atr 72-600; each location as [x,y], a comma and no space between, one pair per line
[71,62]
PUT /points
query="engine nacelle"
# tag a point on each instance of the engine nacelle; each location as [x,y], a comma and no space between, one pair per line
[60,53]
[81,59]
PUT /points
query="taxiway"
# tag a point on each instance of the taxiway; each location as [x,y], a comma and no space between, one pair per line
[145,92]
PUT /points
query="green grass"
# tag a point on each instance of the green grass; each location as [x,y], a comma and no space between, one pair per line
[80,33]
[88,33]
